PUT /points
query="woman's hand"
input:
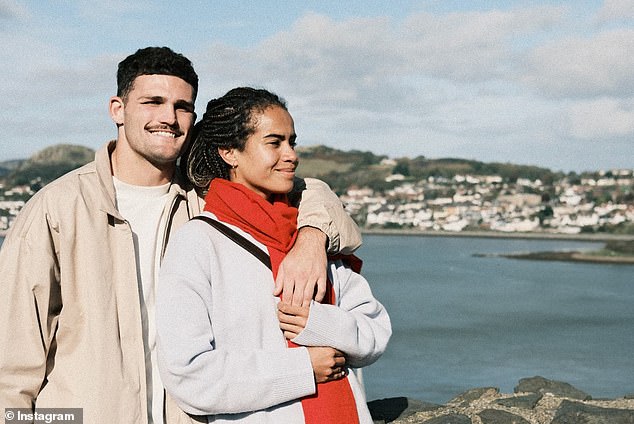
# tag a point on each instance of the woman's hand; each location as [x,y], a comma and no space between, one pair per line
[328,363]
[302,274]
[292,319]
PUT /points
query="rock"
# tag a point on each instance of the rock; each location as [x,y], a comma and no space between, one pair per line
[576,412]
[464,399]
[495,416]
[525,402]
[536,401]
[449,419]
[390,409]
[542,385]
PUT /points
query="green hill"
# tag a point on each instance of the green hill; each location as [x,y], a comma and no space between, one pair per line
[8,166]
[47,164]
[342,170]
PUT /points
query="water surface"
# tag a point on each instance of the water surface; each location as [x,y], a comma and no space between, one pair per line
[461,321]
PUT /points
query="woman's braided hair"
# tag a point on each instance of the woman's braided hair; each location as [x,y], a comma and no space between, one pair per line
[227,123]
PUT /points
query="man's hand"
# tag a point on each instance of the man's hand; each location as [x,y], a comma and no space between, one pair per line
[328,363]
[292,319]
[303,269]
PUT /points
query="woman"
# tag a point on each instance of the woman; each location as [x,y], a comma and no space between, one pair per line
[221,334]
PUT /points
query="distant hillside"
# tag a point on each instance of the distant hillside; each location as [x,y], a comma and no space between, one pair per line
[47,164]
[8,166]
[342,169]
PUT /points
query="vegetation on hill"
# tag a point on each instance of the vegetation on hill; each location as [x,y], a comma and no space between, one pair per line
[8,166]
[342,170]
[46,165]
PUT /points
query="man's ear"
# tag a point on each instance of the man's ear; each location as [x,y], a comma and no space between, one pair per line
[116,109]
[228,155]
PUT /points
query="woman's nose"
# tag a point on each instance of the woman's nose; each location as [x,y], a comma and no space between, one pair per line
[289,153]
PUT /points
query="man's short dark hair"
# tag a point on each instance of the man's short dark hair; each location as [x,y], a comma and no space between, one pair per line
[154,61]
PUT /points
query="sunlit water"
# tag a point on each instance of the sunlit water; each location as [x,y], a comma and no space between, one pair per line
[462,321]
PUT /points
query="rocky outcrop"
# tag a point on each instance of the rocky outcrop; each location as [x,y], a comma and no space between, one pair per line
[535,400]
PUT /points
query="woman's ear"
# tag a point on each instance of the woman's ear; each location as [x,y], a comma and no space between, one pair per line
[228,155]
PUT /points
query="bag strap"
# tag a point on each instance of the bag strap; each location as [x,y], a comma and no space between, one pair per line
[240,240]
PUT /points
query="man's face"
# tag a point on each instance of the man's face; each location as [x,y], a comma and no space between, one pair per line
[157,116]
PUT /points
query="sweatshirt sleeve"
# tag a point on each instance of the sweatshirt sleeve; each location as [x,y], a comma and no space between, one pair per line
[30,303]
[320,207]
[358,325]
[204,379]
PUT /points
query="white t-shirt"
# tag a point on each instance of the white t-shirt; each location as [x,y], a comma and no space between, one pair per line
[143,208]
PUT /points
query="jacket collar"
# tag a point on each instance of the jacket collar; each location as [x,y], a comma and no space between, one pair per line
[103,166]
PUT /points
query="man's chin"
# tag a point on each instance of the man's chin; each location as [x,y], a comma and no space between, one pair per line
[163,162]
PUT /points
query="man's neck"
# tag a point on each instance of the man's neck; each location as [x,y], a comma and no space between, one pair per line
[136,170]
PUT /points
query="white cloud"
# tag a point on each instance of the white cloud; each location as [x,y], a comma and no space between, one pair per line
[370,63]
[490,85]
[435,83]
[110,10]
[602,119]
[36,71]
[602,64]
[10,9]
[470,45]
[616,10]
[50,98]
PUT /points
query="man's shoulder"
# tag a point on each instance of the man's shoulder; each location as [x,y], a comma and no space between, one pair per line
[70,179]
[64,187]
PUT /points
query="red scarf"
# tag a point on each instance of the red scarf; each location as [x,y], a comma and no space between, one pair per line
[275,225]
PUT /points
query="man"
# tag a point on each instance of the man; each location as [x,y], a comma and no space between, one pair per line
[79,264]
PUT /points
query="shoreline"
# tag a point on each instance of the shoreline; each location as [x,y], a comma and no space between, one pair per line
[534,400]
[589,237]
[574,256]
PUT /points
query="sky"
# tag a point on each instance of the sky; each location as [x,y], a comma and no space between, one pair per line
[544,83]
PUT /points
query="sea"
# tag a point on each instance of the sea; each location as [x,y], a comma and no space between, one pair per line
[465,317]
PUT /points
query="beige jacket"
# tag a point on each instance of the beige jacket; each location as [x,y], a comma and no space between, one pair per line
[70,319]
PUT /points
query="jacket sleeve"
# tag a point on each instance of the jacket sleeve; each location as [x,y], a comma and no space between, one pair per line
[30,303]
[358,325]
[320,207]
[203,379]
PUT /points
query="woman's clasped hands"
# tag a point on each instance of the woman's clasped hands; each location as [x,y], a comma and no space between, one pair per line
[328,363]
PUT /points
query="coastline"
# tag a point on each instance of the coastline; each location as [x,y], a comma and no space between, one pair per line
[587,257]
[590,237]
[534,400]
[572,257]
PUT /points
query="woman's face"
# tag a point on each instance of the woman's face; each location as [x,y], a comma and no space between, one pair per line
[268,162]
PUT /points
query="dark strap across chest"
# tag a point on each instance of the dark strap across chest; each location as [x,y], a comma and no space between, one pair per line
[240,240]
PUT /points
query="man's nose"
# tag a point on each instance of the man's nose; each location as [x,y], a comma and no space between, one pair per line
[168,114]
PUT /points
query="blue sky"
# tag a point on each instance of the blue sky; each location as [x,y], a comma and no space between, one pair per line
[547,83]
